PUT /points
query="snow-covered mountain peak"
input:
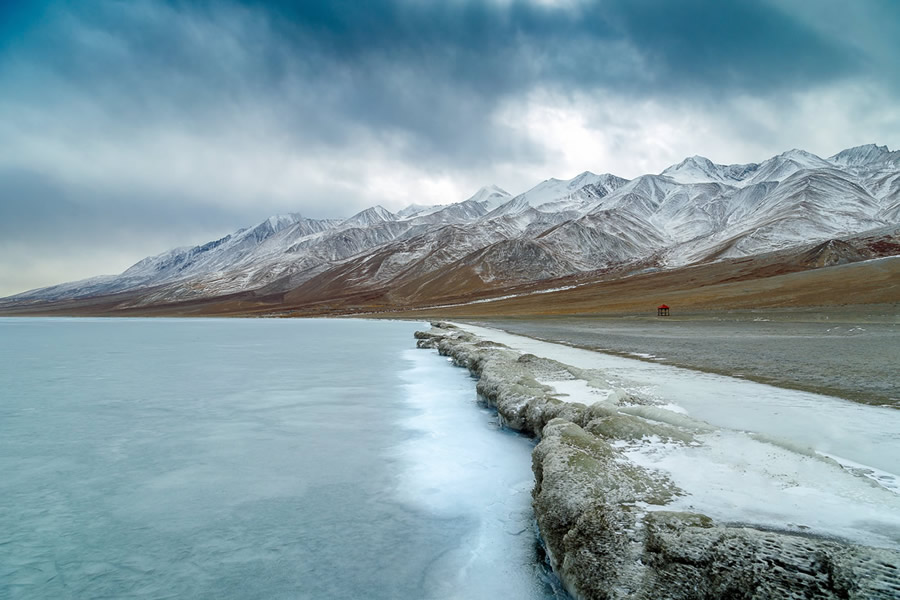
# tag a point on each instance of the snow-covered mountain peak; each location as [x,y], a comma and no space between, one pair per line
[782,166]
[699,169]
[492,195]
[279,222]
[694,169]
[551,190]
[867,154]
[414,210]
[482,202]
[807,160]
[371,216]
[582,179]
[607,182]
[560,195]
[263,230]
[697,160]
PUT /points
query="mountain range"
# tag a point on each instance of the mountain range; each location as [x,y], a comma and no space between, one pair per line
[558,232]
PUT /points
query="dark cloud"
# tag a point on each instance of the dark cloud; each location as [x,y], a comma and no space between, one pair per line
[741,44]
[744,46]
[432,71]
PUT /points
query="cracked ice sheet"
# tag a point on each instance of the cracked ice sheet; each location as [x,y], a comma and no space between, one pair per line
[767,462]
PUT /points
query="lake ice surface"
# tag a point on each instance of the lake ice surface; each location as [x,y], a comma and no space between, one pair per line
[253,459]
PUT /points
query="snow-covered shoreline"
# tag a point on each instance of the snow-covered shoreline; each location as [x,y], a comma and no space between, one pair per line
[843,430]
[651,479]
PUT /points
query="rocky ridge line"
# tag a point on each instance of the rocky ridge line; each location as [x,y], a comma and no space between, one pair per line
[589,501]
[696,212]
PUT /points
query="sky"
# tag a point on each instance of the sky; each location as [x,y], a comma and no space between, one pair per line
[131,127]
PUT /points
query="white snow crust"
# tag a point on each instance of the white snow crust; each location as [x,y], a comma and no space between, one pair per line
[766,456]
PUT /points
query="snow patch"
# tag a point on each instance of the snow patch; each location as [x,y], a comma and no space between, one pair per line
[767,456]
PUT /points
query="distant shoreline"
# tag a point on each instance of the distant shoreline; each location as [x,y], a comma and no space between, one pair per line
[882,315]
[811,376]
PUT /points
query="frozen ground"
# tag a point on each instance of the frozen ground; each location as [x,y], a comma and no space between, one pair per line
[763,455]
[837,353]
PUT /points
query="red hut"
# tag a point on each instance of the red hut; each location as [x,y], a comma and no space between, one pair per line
[662,310]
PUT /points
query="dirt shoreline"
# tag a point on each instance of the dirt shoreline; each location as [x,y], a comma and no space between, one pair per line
[836,353]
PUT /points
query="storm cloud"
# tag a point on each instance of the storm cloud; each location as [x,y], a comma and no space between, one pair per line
[130,127]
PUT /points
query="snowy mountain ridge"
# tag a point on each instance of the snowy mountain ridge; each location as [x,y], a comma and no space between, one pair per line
[693,211]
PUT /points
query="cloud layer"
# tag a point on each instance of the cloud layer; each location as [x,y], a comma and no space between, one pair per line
[130,127]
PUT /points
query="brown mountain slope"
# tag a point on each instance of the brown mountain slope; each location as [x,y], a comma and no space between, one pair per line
[707,288]
[833,273]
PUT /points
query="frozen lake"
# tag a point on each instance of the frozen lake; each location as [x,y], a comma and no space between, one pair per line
[253,459]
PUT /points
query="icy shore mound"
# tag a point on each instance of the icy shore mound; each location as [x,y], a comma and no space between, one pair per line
[617,524]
